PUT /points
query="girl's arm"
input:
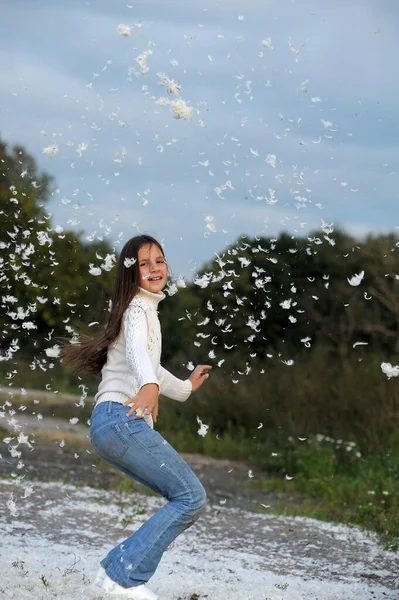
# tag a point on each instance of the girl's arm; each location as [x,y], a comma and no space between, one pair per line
[136,336]
[173,387]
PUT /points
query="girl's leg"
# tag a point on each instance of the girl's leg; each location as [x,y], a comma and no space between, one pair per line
[139,451]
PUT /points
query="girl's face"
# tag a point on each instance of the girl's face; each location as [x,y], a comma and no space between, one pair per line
[153,270]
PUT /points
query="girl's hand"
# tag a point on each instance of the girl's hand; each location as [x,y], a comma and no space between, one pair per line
[199,375]
[145,402]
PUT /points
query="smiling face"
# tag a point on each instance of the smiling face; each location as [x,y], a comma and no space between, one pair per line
[153,271]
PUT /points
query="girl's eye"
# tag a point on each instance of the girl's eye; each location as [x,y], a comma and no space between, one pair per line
[145,264]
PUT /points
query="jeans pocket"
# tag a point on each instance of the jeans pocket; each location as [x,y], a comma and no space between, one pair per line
[108,442]
[98,430]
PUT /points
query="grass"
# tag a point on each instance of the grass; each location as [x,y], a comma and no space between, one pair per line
[46,375]
[47,403]
[340,485]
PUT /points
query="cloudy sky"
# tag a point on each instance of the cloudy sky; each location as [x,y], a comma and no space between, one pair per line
[294,116]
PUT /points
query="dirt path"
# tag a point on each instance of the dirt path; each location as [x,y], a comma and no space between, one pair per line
[74,461]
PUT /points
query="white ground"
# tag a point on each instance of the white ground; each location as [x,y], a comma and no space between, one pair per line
[51,549]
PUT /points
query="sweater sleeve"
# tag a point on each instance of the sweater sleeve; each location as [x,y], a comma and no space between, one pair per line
[136,336]
[173,387]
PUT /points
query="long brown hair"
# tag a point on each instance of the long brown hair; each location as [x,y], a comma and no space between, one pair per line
[89,355]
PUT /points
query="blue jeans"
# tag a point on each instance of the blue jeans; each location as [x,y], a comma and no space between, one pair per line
[130,445]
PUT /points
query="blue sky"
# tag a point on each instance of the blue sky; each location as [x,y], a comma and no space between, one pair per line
[313,83]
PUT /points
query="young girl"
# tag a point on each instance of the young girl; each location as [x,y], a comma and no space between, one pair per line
[128,355]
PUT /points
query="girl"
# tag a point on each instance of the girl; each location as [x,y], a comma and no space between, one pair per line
[128,354]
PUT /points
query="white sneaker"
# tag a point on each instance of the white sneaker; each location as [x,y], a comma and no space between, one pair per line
[139,592]
[99,579]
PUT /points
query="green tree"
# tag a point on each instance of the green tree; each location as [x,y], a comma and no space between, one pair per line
[291,296]
[44,273]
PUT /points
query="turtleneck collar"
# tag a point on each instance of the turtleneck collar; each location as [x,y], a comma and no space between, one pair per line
[152,299]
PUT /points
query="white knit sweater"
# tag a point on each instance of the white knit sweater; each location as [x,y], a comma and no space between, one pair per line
[134,358]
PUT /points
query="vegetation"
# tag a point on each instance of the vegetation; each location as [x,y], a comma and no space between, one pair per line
[339,484]
[44,275]
[296,328]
